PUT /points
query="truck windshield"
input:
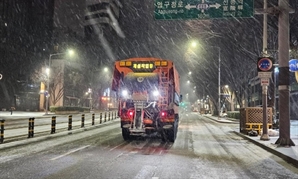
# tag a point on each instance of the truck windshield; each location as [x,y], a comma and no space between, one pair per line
[141,82]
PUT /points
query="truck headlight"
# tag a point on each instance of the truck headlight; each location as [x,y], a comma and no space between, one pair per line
[155,93]
[124,93]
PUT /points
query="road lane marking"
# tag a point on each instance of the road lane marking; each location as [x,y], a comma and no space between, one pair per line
[145,172]
[70,152]
[117,146]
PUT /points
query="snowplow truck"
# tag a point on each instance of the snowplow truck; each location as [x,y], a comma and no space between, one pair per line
[148,93]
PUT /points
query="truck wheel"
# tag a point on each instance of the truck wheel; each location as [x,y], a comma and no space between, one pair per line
[125,134]
[171,134]
[163,135]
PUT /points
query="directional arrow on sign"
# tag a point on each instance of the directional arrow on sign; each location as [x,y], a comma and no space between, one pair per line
[216,5]
[202,6]
[188,6]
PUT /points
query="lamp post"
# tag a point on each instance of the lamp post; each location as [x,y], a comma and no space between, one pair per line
[194,44]
[218,82]
[47,91]
[90,98]
[276,71]
[70,52]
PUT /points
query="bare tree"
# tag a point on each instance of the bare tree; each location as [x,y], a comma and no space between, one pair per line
[56,88]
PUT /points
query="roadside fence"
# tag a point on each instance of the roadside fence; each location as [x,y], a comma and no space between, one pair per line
[108,116]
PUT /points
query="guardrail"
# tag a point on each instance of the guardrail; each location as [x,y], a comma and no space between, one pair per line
[103,117]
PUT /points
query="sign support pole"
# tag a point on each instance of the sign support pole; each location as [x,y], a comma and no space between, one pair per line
[264,67]
[265,135]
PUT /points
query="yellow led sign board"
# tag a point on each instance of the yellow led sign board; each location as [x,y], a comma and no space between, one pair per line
[143,65]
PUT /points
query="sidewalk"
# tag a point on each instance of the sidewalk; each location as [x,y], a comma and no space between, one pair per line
[24,114]
[289,154]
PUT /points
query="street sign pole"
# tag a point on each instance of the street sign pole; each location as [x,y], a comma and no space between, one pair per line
[264,73]
[265,85]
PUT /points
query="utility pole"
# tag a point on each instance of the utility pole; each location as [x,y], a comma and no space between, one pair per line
[284,74]
[265,30]
[283,11]
[265,135]
[219,108]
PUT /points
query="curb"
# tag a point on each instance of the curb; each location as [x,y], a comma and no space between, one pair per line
[223,121]
[277,153]
[286,158]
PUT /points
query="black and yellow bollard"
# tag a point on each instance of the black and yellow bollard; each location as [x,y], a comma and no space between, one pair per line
[83,120]
[31,128]
[53,127]
[100,118]
[32,133]
[93,117]
[69,122]
[2,131]
[105,120]
[109,118]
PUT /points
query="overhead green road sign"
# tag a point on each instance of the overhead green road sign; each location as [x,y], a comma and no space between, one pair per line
[203,9]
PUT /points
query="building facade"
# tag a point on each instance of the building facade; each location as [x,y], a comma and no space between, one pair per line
[84,25]
[25,33]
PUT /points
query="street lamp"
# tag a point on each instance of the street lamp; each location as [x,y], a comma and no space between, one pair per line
[105,69]
[70,52]
[194,44]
